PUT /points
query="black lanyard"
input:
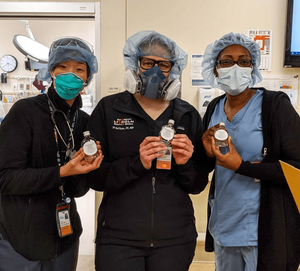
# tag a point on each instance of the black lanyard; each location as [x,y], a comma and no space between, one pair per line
[70,151]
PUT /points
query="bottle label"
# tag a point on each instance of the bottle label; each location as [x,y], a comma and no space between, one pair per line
[167,133]
[90,147]
[164,162]
[221,135]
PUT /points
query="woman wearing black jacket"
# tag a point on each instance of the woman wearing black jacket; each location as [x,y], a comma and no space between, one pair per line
[146,218]
[39,223]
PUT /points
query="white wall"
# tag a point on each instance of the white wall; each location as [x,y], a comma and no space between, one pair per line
[193,24]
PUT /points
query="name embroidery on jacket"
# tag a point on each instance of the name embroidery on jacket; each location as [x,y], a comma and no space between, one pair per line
[123,124]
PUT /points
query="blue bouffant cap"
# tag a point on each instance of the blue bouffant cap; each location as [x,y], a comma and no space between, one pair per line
[213,50]
[69,48]
[150,42]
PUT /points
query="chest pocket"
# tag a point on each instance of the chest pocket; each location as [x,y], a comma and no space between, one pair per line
[126,137]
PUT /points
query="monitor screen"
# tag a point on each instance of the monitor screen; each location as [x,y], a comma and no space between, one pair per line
[295,28]
[292,37]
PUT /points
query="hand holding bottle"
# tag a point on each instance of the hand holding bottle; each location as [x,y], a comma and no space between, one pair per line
[231,160]
[77,165]
[150,149]
[182,148]
[207,139]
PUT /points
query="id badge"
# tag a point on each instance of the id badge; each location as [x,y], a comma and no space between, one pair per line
[63,219]
[164,162]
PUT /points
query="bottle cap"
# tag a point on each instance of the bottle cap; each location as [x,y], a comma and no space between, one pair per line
[222,123]
[171,121]
[86,133]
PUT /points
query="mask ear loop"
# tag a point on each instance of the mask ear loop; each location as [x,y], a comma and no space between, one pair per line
[53,81]
[84,85]
[52,75]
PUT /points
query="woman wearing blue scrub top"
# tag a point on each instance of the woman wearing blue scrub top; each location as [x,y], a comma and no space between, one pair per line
[253,223]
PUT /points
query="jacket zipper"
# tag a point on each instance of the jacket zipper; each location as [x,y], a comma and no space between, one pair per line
[153,186]
[152,211]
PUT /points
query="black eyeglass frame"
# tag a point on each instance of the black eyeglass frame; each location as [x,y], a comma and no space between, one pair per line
[234,62]
[156,62]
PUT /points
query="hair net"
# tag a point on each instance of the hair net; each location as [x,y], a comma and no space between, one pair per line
[152,43]
[212,51]
[69,48]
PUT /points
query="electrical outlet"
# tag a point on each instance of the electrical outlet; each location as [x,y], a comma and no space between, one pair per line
[15,86]
[21,86]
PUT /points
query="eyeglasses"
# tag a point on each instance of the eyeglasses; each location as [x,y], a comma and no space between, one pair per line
[148,63]
[226,63]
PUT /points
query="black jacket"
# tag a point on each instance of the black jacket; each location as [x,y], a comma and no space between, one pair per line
[143,207]
[29,177]
[279,219]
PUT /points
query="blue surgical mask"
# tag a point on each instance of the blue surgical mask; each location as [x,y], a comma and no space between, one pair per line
[153,82]
[68,85]
[234,80]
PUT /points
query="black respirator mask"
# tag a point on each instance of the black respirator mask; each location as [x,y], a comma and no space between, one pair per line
[151,84]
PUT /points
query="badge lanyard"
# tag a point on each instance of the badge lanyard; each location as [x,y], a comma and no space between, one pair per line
[63,209]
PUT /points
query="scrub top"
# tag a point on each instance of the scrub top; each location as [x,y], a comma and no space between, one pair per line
[235,203]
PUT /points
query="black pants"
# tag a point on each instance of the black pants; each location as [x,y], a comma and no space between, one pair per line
[128,258]
[67,261]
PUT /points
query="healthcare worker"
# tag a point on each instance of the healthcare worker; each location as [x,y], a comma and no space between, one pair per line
[40,170]
[146,218]
[253,222]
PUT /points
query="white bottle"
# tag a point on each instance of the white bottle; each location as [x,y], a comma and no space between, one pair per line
[221,136]
[89,147]
[167,133]
[2,112]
